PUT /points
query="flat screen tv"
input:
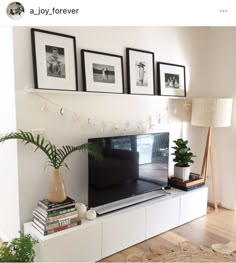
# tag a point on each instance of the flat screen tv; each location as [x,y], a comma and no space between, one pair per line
[132,165]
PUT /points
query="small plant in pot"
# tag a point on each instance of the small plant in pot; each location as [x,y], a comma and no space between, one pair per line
[20,249]
[55,158]
[183,159]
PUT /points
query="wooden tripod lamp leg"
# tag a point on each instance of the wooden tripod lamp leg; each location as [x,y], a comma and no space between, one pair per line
[209,150]
[205,158]
[213,178]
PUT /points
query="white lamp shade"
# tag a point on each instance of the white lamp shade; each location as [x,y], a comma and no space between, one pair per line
[211,112]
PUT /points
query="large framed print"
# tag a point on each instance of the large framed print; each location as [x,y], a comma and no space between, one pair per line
[102,72]
[140,69]
[54,60]
[171,80]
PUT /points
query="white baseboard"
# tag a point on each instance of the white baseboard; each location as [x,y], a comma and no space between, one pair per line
[227,206]
[222,204]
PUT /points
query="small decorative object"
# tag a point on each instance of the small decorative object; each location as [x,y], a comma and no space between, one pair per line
[194,176]
[102,72]
[19,249]
[54,61]
[82,209]
[183,158]
[56,189]
[91,214]
[140,66]
[56,158]
[171,80]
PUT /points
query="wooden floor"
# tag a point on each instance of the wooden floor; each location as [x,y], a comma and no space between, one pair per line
[216,227]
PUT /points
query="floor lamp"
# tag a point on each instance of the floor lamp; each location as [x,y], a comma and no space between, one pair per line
[211,112]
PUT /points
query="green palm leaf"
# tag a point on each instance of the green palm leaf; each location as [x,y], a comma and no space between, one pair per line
[56,157]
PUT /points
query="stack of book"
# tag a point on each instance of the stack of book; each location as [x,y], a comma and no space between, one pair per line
[50,217]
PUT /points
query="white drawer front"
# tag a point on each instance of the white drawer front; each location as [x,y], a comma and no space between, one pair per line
[193,205]
[123,230]
[82,245]
[162,216]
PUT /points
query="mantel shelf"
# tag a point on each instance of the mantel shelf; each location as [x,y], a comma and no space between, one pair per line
[88,93]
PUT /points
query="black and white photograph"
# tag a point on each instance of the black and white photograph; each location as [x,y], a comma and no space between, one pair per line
[140,69]
[141,73]
[54,60]
[171,80]
[102,72]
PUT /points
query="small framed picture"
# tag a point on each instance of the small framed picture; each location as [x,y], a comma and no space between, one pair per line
[54,61]
[102,72]
[140,68]
[171,80]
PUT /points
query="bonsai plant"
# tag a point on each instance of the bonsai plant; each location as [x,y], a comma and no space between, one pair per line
[55,158]
[183,159]
[20,249]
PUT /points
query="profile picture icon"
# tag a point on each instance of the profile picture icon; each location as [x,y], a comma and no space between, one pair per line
[15,10]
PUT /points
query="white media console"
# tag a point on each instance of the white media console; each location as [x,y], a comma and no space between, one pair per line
[108,234]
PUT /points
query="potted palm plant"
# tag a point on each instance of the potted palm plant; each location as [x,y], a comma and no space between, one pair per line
[55,158]
[183,158]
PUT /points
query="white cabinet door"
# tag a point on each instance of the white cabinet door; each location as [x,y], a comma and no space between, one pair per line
[122,230]
[83,245]
[193,205]
[162,216]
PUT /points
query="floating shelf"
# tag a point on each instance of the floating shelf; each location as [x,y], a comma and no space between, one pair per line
[31,90]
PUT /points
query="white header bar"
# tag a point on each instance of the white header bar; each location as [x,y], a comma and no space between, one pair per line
[123,13]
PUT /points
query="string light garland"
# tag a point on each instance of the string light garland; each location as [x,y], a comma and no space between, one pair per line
[62,111]
[124,126]
[150,123]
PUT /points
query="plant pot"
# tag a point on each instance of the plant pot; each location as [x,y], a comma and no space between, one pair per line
[182,172]
[56,189]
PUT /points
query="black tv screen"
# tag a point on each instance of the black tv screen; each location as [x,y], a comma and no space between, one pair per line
[131,165]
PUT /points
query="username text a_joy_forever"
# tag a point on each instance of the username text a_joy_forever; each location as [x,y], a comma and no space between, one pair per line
[54,11]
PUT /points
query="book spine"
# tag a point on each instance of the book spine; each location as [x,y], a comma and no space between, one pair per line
[51,219]
[48,232]
[73,213]
[62,228]
[64,211]
[45,204]
[59,212]
[57,223]
[49,210]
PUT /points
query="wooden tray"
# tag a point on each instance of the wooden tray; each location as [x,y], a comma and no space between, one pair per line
[186,186]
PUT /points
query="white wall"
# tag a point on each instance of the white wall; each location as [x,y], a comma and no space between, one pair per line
[169,46]
[9,196]
[219,81]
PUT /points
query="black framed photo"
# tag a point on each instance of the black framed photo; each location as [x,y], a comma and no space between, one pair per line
[171,80]
[140,68]
[54,60]
[102,72]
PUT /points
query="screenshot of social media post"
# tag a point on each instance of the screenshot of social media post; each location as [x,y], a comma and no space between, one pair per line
[117,131]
